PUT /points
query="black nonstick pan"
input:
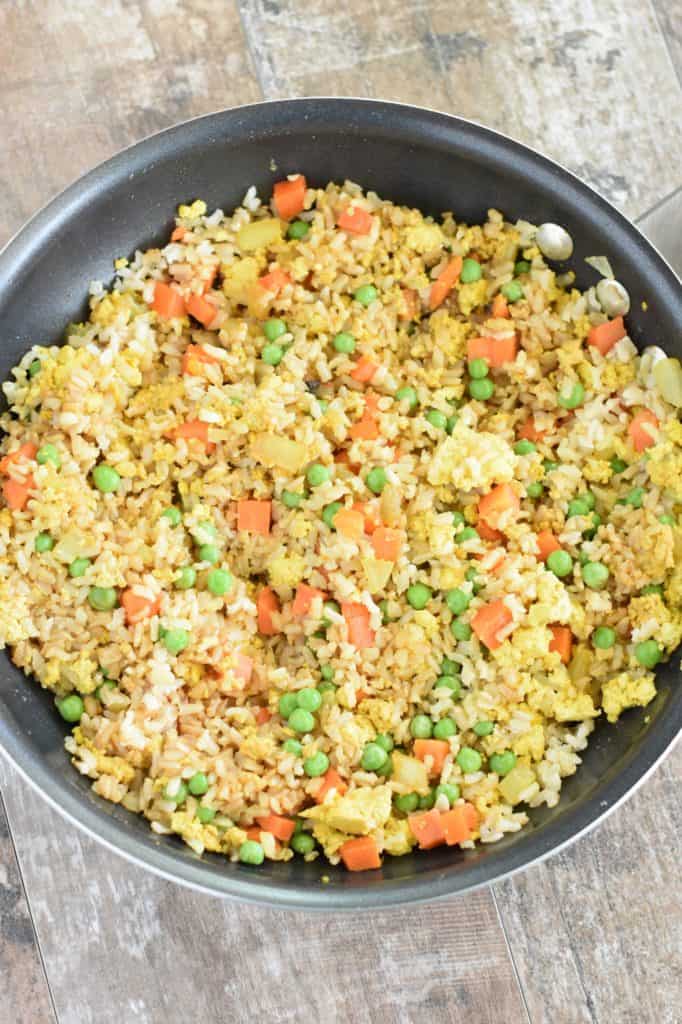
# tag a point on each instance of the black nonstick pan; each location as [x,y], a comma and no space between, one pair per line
[411,156]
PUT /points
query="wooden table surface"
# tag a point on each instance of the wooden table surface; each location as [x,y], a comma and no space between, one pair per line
[592,936]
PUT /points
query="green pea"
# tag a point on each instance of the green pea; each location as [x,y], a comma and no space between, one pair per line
[406,803]
[571,395]
[34,367]
[535,489]
[460,630]
[198,784]
[209,553]
[384,741]
[521,267]
[451,424]
[451,683]
[48,453]
[204,532]
[102,599]
[524,447]
[409,395]
[667,520]
[595,574]
[471,271]
[481,390]
[177,797]
[512,291]
[469,760]
[457,600]
[653,588]
[418,596]
[427,802]
[219,582]
[584,557]
[302,842]
[185,578]
[373,757]
[272,354]
[604,637]
[293,747]
[365,294]
[71,708]
[450,790]
[329,511]
[326,686]
[301,720]
[327,672]
[478,369]
[560,563]
[421,727]
[648,653]
[173,515]
[175,640]
[344,342]
[437,419]
[502,763]
[291,499]
[316,765]
[43,542]
[79,567]
[385,615]
[317,474]
[106,479]
[444,729]
[205,814]
[458,519]
[251,852]
[635,497]
[577,507]
[287,703]
[448,667]
[618,465]
[588,499]
[549,465]
[468,533]
[376,479]
[309,699]
[298,229]
[484,727]
[274,329]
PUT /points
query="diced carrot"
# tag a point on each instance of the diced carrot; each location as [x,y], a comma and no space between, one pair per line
[192,430]
[330,780]
[497,503]
[266,604]
[288,196]
[305,596]
[365,429]
[253,833]
[254,516]
[342,458]
[364,370]
[410,304]
[243,666]
[500,309]
[642,429]
[604,336]
[495,351]
[356,220]
[562,642]
[547,543]
[437,750]
[478,348]
[178,233]
[201,309]
[387,543]
[458,823]
[167,302]
[137,607]
[427,829]
[274,281]
[445,282]
[357,624]
[360,854]
[26,452]
[17,494]
[350,523]
[490,623]
[278,826]
[487,532]
[529,431]
[371,522]
[194,357]
[262,715]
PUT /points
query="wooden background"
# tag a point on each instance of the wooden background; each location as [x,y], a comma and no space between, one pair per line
[592,936]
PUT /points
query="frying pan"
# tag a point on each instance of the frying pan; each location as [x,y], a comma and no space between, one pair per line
[411,156]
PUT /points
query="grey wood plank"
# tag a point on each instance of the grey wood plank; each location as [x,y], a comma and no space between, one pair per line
[157,952]
[24,994]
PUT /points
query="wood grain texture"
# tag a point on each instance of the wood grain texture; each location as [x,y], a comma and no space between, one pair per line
[156,952]
[24,994]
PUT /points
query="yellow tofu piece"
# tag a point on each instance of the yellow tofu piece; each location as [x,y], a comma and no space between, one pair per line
[357,813]
[627,691]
